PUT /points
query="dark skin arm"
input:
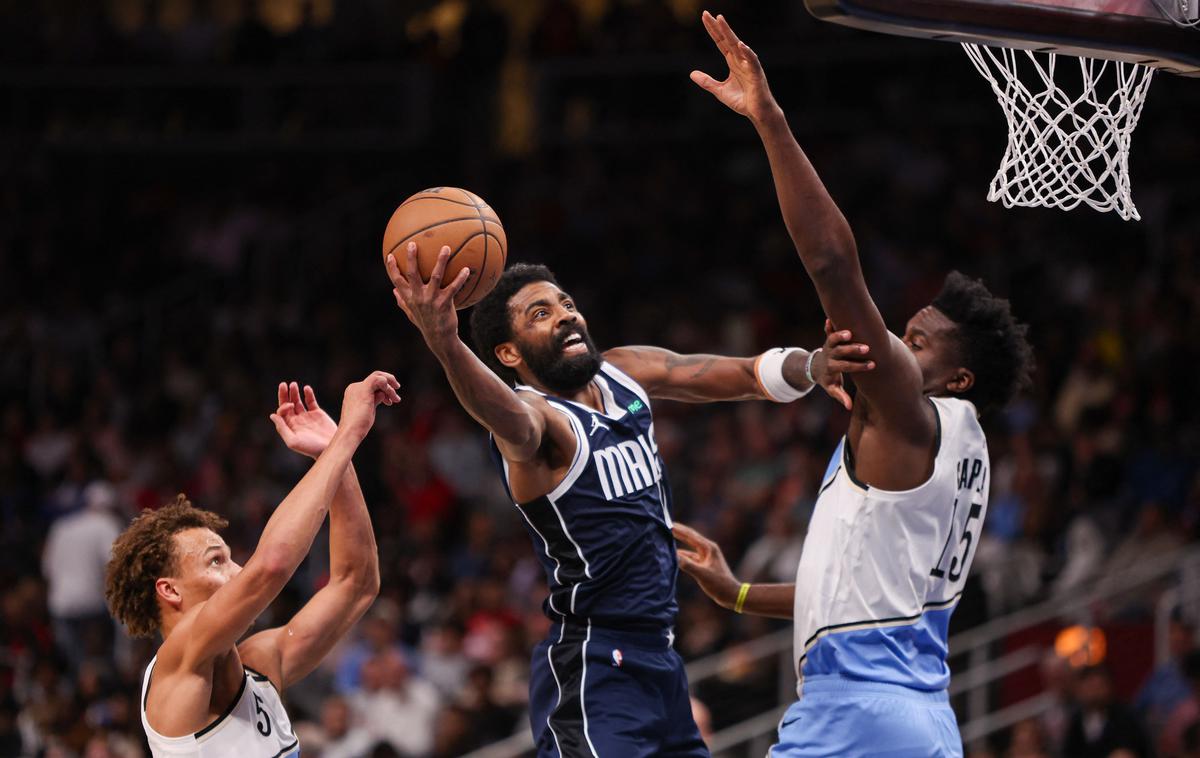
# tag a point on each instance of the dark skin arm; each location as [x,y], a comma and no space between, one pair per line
[893,430]
[536,440]
[517,422]
[712,378]
[703,560]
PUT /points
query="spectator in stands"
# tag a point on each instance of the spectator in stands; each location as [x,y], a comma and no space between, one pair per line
[337,735]
[773,557]
[1102,726]
[443,662]
[137,359]
[378,633]
[397,707]
[489,721]
[1028,741]
[77,550]
[1167,687]
[1186,714]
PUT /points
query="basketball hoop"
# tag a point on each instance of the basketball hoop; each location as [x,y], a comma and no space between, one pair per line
[1068,138]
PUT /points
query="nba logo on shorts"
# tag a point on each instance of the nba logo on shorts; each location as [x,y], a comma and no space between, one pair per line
[617,658]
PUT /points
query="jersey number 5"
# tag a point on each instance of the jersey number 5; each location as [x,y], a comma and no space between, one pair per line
[264,722]
[957,563]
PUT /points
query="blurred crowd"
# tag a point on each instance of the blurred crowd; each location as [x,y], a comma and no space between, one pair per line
[151,301]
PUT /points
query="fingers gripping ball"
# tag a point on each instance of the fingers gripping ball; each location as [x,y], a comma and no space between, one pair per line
[448,216]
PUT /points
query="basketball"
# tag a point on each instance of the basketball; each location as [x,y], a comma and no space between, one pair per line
[449,216]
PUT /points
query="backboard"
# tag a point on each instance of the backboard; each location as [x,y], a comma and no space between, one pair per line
[1157,33]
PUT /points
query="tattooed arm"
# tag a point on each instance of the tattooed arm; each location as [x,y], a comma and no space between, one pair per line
[701,378]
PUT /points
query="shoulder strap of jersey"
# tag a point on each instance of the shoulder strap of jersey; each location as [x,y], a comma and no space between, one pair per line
[626,381]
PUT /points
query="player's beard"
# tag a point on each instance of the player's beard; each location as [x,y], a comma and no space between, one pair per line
[559,373]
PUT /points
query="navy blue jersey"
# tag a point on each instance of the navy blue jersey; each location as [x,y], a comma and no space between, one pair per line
[603,535]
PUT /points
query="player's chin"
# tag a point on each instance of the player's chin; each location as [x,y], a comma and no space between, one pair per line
[589,360]
[573,372]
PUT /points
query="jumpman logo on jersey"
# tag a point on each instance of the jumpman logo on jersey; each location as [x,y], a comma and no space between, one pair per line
[597,424]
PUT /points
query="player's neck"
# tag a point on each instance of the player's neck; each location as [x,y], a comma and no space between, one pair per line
[588,395]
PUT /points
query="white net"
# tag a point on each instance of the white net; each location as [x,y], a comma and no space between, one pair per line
[1064,148]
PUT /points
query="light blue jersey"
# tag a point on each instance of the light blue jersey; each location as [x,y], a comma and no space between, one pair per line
[878,580]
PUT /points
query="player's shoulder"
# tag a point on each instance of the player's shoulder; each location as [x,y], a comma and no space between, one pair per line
[173,671]
[177,653]
[641,364]
[955,416]
[540,402]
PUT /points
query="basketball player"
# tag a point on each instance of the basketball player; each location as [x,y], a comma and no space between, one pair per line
[573,436]
[205,694]
[905,495]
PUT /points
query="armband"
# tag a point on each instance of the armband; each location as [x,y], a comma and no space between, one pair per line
[769,371]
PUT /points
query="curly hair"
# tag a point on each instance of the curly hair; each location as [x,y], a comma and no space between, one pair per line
[993,344]
[491,323]
[143,553]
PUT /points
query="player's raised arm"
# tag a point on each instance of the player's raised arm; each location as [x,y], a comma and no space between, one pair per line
[289,653]
[823,239]
[221,621]
[703,560]
[517,425]
[781,374]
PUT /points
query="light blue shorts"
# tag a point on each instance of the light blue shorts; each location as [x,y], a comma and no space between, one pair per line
[843,717]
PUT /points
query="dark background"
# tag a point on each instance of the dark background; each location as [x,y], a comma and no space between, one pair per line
[191,210]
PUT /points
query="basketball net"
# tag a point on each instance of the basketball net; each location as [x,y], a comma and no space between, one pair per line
[1064,148]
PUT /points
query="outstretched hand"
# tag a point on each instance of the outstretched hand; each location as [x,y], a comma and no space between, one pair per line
[745,89]
[702,560]
[429,305]
[361,398]
[303,425]
[839,355]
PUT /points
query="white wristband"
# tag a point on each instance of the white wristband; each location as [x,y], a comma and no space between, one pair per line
[769,370]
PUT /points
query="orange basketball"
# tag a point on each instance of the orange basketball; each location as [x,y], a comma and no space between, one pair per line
[457,218]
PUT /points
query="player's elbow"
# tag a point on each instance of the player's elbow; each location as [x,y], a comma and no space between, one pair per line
[367,586]
[272,565]
[521,442]
[359,592]
[828,265]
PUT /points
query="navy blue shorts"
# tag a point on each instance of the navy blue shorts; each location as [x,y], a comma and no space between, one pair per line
[601,693]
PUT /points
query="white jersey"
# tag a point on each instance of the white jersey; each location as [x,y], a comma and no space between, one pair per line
[254,726]
[882,571]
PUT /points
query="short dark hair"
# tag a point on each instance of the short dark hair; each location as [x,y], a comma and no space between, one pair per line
[491,323]
[143,553]
[992,342]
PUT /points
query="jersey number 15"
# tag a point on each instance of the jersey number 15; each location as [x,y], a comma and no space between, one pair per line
[958,562]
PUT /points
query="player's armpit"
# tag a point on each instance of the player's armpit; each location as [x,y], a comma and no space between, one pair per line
[695,378]
[537,475]
[536,433]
